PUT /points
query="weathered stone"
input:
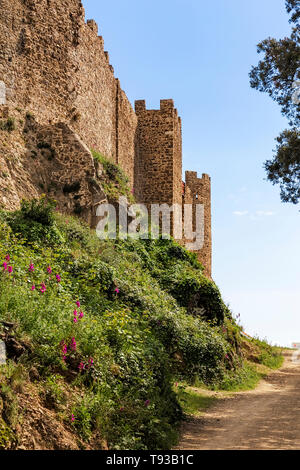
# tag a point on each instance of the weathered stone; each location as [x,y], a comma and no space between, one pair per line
[53,65]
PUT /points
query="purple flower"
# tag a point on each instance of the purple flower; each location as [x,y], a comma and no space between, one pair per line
[7,257]
[10,269]
[49,270]
[147,402]
[117,290]
[78,303]
[4,266]
[81,366]
[33,287]
[72,418]
[43,287]
[81,315]
[31,268]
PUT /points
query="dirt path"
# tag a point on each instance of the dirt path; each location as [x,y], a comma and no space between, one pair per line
[265,418]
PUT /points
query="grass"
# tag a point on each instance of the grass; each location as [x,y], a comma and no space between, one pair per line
[193,401]
[111,371]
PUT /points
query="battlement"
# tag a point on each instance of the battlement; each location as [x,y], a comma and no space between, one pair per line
[166,106]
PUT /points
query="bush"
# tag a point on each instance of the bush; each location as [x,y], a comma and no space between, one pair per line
[35,221]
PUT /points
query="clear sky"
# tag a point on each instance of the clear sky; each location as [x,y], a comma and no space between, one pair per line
[199,53]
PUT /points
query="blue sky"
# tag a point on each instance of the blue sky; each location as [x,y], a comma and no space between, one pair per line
[200,53]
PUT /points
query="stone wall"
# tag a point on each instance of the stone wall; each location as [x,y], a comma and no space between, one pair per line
[159,171]
[54,65]
[198,191]
[47,158]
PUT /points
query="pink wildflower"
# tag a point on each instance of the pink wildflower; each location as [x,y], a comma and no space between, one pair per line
[75,313]
[58,278]
[78,303]
[7,257]
[91,361]
[72,418]
[117,290]
[33,287]
[4,266]
[31,268]
[43,287]
[75,320]
[10,269]
[81,366]
[73,345]
[81,315]
[49,270]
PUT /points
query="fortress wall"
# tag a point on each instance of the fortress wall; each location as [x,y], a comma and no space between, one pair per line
[54,65]
[198,191]
[126,135]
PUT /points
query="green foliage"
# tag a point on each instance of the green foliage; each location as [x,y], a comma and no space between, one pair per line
[52,393]
[35,221]
[136,336]
[284,169]
[278,74]
[8,125]
[191,401]
[114,181]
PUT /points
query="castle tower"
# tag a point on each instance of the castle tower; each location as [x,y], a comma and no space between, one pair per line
[198,191]
[158,172]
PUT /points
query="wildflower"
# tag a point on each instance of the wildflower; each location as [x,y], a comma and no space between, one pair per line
[122,408]
[72,418]
[81,315]
[7,257]
[117,290]
[31,268]
[81,366]
[73,344]
[226,357]
[65,349]
[33,287]
[91,361]
[43,287]
[78,303]
[58,278]
[4,266]
[75,313]
[75,320]
[10,269]
[49,270]
[147,402]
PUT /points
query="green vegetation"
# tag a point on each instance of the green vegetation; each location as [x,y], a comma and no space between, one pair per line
[8,124]
[113,179]
[108,327]
[278,75]
[192,401]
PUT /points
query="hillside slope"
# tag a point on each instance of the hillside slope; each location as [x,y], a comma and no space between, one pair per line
[99,332]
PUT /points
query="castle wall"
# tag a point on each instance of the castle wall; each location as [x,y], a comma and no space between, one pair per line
[198,191]
[54,65]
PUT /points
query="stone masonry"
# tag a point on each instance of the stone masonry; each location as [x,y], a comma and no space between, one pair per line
[53,65]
